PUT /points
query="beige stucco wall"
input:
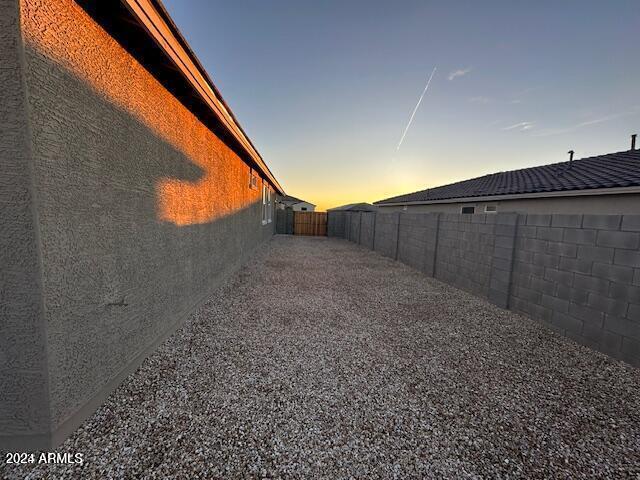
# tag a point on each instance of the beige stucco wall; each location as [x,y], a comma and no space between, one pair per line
[596,204]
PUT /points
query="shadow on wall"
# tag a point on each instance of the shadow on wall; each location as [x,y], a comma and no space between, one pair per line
[126,251]
[80,38]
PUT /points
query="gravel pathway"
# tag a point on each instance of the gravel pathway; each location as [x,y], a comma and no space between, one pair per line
[321,359]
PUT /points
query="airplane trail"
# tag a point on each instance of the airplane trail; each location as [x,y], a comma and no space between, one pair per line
[415,109]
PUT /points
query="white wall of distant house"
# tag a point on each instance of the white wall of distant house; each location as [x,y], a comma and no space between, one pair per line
[303,207]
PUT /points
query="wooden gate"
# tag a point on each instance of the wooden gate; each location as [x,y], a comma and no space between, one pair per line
[310,223]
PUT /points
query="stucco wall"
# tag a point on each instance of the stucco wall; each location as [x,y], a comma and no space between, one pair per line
[600,204]
[140,210]
[24,407]
[308,207]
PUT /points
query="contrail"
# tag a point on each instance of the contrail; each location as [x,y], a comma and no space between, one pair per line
[415,109]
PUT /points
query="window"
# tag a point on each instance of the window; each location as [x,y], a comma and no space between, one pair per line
[468,210]
[490,209]
[253,180]
[264,203]
[304,209]
[267,204]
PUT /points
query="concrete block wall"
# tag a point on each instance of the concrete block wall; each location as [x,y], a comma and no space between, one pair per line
[504,236]
[354,226]
[335,224]
[579,274]
[367,228]
[284,221]
[417,239]
[465,251]
[386,234]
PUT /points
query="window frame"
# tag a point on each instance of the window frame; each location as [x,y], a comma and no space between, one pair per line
[267,204]
[468,213]
[253,180]
[495,207]
[264,203]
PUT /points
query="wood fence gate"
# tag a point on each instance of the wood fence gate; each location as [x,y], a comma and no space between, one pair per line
[310,223]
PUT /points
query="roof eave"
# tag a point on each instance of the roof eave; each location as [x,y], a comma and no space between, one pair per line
[490,198]
[156,21]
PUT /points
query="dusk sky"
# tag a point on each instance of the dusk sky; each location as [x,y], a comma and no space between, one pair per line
[325,89]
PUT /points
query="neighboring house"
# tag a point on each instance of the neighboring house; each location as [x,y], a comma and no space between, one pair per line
[129,192]
[354,207]
[604,184]
[296,204]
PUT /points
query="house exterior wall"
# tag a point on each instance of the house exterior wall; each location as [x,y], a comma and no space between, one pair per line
[24,397]
[597,204]
[578,274]
[126,212]
[303,207]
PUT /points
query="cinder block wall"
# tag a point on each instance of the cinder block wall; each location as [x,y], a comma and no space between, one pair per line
[354,226]
[367,228]
[579,274]
[417,239]
[386,234]
[465,251]
[335,224]
[122,210]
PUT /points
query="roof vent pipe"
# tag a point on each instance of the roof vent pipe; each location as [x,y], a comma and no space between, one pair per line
[570,152]
[633,141]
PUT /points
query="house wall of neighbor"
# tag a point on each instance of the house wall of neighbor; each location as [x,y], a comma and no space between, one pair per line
[578,274]
[596,204]
[303,207]
[124,211]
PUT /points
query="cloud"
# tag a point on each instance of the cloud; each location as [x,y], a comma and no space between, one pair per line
[459,73]
[480,99]
[522,126]
[594,121]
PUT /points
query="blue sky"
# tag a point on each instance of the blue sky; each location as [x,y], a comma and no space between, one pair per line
[325,89]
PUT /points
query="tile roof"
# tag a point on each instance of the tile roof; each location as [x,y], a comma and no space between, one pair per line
[293,200]
[356,207]
[620,169]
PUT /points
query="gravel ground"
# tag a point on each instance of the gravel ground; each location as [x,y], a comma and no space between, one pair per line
[321,359]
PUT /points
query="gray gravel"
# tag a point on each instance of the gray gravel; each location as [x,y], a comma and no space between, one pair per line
[321,359]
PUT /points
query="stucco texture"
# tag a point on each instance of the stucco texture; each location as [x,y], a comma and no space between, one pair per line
[593,204]
[23,378]
[141,209]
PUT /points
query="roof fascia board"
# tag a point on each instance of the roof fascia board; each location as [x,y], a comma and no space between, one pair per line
[569,193]
[164,36]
